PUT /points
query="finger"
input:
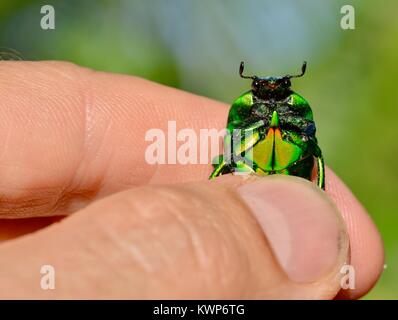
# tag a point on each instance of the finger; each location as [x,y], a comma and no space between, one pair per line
[11,228]
[69,135]
[258,238]
[367,254]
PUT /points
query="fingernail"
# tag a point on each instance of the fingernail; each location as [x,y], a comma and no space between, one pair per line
[301,224]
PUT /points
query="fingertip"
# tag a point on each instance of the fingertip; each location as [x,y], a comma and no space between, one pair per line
[303,226]
[367,253]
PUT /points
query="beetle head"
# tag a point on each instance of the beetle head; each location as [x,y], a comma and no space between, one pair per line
[266,87]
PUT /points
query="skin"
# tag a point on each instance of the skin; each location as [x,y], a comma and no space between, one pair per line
[72,144]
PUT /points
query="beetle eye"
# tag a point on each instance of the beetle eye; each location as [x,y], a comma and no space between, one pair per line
[255,85]
[286,83]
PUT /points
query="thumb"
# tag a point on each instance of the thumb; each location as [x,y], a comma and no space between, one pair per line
[277,237]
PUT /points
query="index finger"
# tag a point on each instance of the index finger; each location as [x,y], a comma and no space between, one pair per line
[69,135]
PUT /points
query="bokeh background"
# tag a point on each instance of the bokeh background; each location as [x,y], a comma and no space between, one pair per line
[197,46]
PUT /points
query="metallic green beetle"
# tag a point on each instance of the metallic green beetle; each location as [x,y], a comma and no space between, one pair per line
[271,130]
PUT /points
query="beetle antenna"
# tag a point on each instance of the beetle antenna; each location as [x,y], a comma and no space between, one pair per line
[303,68]
[241,68]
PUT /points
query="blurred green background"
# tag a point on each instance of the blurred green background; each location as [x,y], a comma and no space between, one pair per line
[197,46]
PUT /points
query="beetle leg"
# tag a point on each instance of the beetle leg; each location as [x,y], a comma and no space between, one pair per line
[239,168]
[218,170]
[321,172]
[240,145]
[217,160]
[243,168]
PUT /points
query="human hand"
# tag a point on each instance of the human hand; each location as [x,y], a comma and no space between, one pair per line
[72,143]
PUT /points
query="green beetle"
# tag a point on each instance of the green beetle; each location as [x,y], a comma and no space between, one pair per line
[271,130]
